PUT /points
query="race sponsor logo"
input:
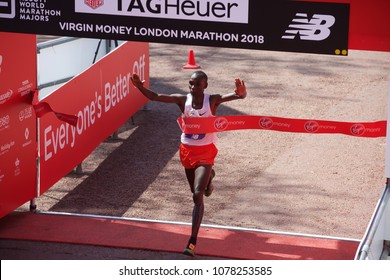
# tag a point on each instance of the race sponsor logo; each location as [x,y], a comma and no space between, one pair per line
[37,10]
[27,137]
[4,122]
[6,147]
[315,29]
[266,123]
[358,129]
[94,3]
[17,167]
[195,136]
[221,124]
[26,88]
[232,11]
[311,126]
[4,97]
[7,8]
[25,113]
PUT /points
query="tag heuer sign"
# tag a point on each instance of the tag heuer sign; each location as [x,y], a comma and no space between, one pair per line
[94,3]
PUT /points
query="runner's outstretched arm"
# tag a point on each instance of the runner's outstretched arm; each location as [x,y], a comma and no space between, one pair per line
[239,93]
[172,98]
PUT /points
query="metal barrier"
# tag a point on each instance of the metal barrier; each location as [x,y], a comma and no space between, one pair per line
[374,245]
[60,59]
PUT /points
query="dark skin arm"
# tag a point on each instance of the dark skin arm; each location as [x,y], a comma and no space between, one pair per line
[239,93]
[178,99]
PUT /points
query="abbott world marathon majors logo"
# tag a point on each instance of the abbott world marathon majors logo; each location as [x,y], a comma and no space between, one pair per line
[7,8]
[231,11]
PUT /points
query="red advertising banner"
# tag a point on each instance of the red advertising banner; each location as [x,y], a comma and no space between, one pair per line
[18,171]
[369,24]
[43,108]
[226,123]
[102,98]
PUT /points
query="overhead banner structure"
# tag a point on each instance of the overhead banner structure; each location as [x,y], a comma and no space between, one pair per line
[102,98]
[277,25]
[18,144]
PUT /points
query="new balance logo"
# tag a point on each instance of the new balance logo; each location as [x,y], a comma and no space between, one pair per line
[316,29]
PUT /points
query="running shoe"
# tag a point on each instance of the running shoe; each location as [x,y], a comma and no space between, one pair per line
[190,250]
[210,187]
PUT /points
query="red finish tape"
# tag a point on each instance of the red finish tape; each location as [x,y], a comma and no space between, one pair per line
[226,123]
[42,108]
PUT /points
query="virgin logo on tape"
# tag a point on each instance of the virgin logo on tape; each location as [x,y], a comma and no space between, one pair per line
[266,123]
[311,126]
[221,124]
[358,129]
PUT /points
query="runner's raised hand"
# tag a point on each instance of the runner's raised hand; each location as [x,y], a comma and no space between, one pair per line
[240,88]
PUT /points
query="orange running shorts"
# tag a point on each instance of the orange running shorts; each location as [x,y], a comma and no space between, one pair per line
[192,156]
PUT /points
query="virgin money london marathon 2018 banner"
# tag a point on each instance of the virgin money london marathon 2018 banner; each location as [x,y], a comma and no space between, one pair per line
[250,24]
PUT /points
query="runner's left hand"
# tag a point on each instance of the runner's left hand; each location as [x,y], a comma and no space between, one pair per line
[240,88]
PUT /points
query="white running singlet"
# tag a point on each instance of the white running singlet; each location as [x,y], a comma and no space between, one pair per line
[190,112]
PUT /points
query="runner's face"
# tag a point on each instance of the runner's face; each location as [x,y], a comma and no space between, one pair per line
[197,86]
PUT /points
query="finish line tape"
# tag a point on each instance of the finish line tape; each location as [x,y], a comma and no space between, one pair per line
[227,123]
[43,108]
